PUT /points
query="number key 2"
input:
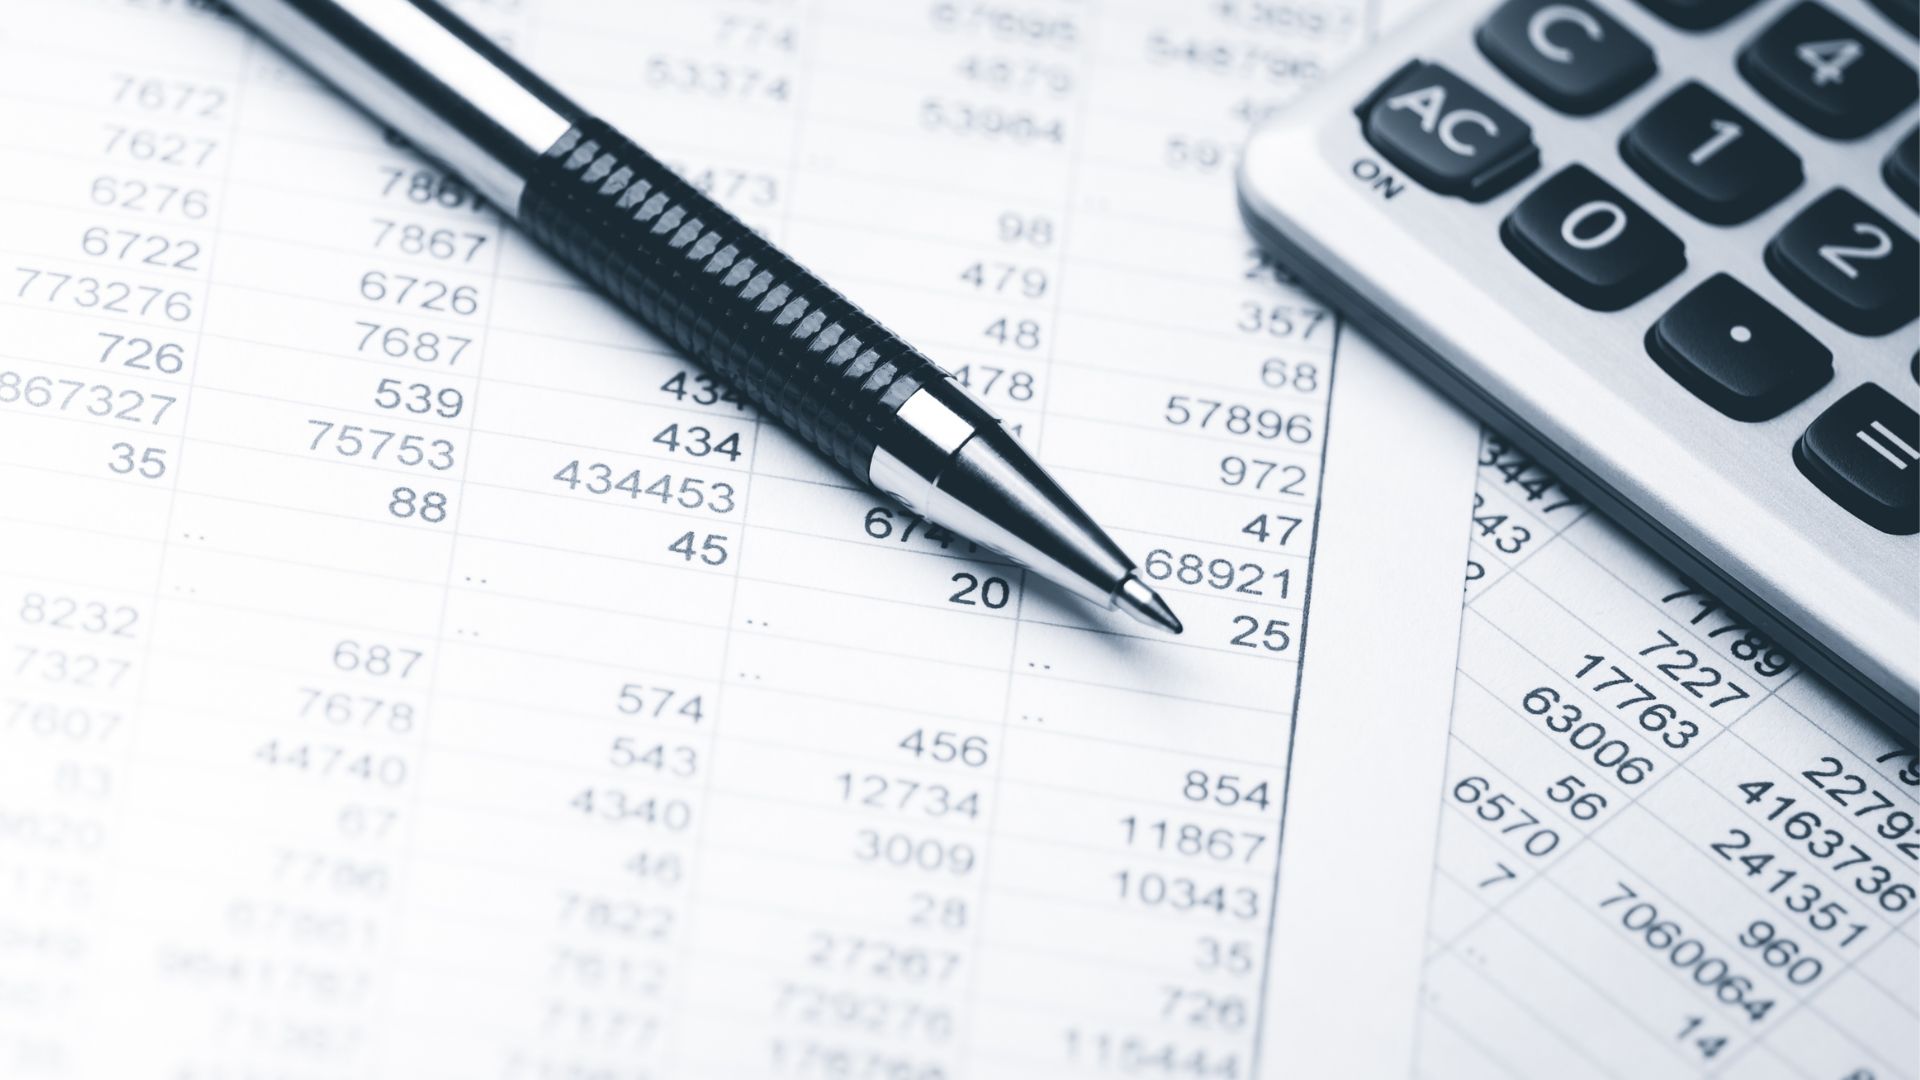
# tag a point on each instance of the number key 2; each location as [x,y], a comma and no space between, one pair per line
[1849,263]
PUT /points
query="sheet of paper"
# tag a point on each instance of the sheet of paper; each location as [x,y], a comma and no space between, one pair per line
[412,669]
[1666,850]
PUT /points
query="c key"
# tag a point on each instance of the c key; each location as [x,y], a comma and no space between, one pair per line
[1567,53]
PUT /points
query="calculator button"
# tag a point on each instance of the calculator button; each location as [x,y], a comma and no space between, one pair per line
[1901,169]
[1737,352]
[1849,263]
[1696,14]
[1591,242]
[1824,73]
[1709,158]
[1447,135]
[1864,452]
[1567,53]
[1904,13]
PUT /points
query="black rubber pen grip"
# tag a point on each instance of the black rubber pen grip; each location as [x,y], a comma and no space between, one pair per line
[720,293]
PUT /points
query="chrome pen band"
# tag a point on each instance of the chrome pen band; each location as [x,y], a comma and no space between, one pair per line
[928,433]
[442,85]
[947,459]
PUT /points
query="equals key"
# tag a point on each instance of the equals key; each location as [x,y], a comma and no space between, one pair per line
[1864,453]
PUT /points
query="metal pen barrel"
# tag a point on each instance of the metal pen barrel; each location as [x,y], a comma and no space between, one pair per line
[699,277]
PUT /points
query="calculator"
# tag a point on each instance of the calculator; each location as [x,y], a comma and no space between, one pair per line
[1667,248]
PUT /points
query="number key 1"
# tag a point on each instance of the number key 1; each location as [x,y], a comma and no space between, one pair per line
[1709,158]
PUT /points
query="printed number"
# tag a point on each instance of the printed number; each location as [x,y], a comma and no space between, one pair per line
[710,548]
[142,197]
[424,186]
[1276,527]
[985,380]
[1282,374]
[418,398]
[446,245]
[1272,635]
[132,245]
[1005,277]
[375,659]
[1224,789]
[696,441]
[1014,333]
[1236,419]
[636,699]
[142,354]
[1262,475]
[1583,805]
[1033,230]
[1222,574]
[428,506]
[991,592]
[700,390]
[946,747]
[1589,736]
[426,294]
[423,346]
[149,462]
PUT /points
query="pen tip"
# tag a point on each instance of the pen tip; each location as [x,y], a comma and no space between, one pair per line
[1137,598]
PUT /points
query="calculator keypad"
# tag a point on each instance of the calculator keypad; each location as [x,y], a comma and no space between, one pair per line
[1849,263]
[1746,356]
[1709,157]
[1864,452]
[1737,352]
[1446,134]
[1820,70]
[1567,53]
[1591,242]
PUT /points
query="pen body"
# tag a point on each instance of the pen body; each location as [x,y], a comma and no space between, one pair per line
[698,276]
[719,292]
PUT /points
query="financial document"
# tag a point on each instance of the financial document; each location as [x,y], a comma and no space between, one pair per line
[1667,850]
[411,668]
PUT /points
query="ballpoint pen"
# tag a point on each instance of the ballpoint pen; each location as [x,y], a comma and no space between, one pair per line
[696,275]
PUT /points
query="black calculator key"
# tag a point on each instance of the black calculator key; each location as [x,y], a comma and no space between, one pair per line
[1904,13]
[1902,168]
[1446,134]
[1709,158]
[1591,242]
[1822,71]
[1567,53]
[1696,14]
[1737,352]
[1849,263]
[1864,452]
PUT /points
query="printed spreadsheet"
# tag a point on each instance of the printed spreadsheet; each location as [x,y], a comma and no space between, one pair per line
[1667,850]
[412,668]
